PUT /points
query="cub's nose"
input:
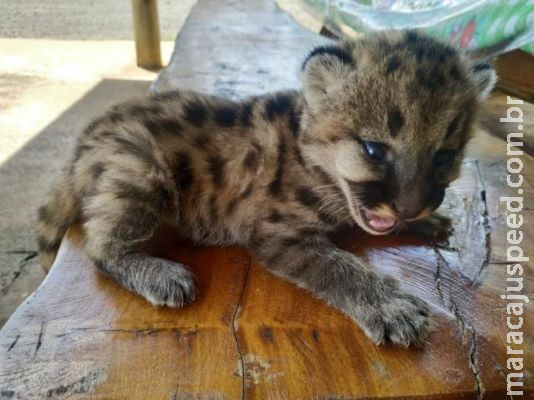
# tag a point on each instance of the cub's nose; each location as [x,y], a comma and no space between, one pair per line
[408,207]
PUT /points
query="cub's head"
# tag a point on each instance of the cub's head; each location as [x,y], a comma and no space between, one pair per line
[388,118]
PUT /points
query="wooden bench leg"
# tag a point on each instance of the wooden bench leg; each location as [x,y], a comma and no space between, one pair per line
[147,39]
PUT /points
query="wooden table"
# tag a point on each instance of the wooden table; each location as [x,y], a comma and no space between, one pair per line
[251,335]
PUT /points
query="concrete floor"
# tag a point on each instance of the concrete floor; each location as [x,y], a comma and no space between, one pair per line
[49,89]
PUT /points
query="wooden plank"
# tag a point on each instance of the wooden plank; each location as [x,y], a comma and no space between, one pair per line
[237,49]
[81,335]
[146,30]
[488,309]
[296,347]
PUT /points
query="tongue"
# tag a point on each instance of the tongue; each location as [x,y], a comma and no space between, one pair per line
[379,223]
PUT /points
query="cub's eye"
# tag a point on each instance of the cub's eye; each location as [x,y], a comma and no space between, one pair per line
[444,157]
[375,151]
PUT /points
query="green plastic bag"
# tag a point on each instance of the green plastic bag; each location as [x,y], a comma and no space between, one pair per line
[491,26]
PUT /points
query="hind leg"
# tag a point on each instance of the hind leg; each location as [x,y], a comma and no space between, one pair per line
[54,217]
[121,217]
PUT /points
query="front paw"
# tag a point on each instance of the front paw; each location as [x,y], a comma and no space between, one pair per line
[435,227]
[401,318]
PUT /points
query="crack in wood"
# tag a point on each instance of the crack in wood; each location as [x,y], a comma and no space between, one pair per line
[82,385]
[30,254]
[451,305]
[467,331]
[148,331]
[14,343]
[485,224]
[40,337]
[467,208]
[446,247]
[502,374]
[235,327]
[472,360]
[440,263]
[473,366]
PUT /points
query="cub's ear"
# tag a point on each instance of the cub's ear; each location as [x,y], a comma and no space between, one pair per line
[484,77]
[323,71]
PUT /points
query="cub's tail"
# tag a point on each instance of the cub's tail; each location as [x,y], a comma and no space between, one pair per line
[54,217]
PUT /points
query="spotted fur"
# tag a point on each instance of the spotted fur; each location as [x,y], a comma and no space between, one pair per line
[276,173]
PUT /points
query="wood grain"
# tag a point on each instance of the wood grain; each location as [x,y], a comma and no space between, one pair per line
[252,335]
[80,332]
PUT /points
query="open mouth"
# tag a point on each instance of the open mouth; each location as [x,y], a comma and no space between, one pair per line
[376,223]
